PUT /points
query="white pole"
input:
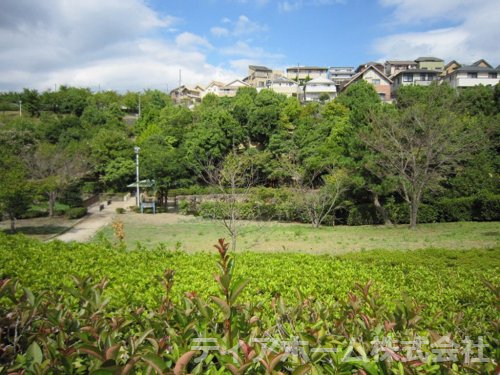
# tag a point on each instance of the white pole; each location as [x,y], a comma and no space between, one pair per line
[139,104]
[20,107]
[137,149]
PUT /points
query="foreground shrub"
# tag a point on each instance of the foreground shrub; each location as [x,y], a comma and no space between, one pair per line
[79,332]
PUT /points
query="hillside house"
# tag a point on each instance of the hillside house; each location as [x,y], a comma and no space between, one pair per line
[318,87]
[302,73]
[478,73]
[373,75]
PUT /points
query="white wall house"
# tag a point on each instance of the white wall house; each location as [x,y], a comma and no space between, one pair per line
[340,74]
[232,88]
[420,77]
[213,88]
[284,86]
[318,86]
[306,72]
[479,73]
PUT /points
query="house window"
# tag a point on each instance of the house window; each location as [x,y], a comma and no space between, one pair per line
[492,75]
[472,75]
[407,77]
[376,81]
[422,76]
[381,95]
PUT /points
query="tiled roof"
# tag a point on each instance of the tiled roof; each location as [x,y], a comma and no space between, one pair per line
[260,67]
[437,59]
[417,71]
[401,62]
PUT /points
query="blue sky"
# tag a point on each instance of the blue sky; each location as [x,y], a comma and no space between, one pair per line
[138,44]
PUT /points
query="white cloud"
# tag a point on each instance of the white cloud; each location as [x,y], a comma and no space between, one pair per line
[244,26]
[240,27]
[439,43]
[219,31]
[474,33]
[190,40]
[245,50]
[114,44]
[292,6]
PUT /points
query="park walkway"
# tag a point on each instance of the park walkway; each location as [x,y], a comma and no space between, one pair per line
[96,219]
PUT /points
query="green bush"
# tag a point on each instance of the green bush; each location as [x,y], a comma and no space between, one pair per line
[61,319]
[486,208]
[455,209]
[363,214]
[34,212]
[399,213]
[61,209]
[76,212]
[120,210]
[188,207]
[479,208]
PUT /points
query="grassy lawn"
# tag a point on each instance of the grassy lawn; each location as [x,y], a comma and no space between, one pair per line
[194,234]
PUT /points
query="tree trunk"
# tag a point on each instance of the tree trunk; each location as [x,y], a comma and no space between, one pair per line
[414,212]
[380,209]
[13,224]
[52,203]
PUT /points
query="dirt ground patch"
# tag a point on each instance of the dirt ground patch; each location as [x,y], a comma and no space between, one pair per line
[42,228]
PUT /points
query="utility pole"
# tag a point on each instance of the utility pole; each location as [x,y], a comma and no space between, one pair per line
[20,108]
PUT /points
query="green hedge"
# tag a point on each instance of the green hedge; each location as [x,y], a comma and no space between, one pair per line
[486,208]
[280,204]
[481,208]
[456,209]
[76,212]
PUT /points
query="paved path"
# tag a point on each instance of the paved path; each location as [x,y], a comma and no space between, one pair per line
[85,229]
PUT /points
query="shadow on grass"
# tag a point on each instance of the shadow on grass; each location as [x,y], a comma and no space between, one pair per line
[38,230]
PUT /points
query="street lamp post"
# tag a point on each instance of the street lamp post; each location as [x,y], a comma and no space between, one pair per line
[137,149]
[20,107]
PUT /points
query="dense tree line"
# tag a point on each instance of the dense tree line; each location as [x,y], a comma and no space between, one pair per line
[432,143]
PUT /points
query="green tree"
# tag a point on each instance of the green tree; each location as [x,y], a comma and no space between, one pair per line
[55,168]
[73,100]
[16,193]
[420,144]
[107,148]
[477,100]
[31,102]
[264,119]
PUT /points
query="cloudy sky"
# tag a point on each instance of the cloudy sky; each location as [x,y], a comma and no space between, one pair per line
[138,44]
